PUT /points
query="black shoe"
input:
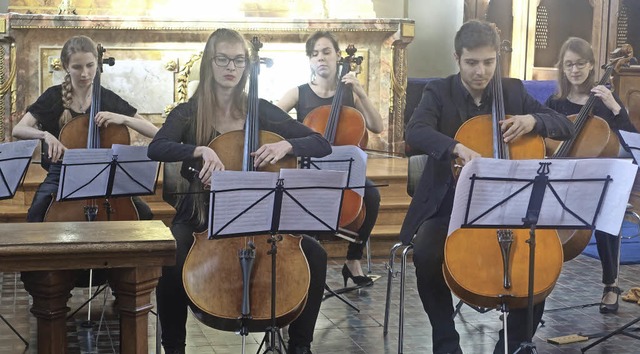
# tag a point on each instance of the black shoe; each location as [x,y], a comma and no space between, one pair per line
[174,351]
[300,350]
[360,280]
[610,308]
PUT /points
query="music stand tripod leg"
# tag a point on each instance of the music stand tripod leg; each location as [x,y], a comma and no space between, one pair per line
[14,331]
[339,297]
[273,332]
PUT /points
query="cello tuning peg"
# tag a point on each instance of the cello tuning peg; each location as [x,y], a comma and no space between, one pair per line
[111,61]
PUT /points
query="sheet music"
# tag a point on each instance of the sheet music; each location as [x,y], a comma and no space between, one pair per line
[14,159]
[228,205]
[323,203]
[346,152]
[142,171]
[85,173]
[632,140]
[580,197]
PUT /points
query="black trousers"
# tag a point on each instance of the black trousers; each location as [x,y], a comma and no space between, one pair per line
[428,256]
[608,250]
[173,302]
[371,201]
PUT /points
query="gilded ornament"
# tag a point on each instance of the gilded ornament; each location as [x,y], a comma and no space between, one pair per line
[56,64]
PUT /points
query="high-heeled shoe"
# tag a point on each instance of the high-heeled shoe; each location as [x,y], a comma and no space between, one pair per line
[610,308]
[359,280]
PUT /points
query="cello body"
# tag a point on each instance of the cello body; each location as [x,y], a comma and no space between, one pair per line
[595,140]
[474,267]
[213,276]
[76,134]
[490,267]
[343,125]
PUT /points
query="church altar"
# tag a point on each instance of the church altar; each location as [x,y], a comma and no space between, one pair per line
[154,60]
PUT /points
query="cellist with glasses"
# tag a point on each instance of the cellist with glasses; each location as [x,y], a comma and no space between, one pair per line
[218,106]
[576,83]
[445,104]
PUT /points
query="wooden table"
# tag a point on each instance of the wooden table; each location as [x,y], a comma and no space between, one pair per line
[48,253]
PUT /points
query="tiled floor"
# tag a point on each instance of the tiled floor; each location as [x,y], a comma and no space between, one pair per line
[343,330]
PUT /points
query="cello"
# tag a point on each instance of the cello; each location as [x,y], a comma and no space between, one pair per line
[593,138]
[82,132]
[343,125]
[475,267]
[212,275]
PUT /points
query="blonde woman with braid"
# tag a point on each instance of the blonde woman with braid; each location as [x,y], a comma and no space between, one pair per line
[60,103]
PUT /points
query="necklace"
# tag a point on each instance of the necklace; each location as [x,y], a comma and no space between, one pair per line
[82,105]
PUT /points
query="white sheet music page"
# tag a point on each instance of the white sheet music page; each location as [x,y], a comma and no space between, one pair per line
[136,174]
[85,173]
[236,191]
[579,196]
[322,199]
[632,140]
[14,159]
[334,162]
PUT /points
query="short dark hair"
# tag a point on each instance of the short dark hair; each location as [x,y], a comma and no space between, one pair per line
[475,34]
[311,41]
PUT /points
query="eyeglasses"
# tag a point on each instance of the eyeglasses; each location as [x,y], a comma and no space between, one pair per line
[223,61]
[580,64]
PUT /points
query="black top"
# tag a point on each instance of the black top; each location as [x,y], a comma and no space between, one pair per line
[444,106]
[48,107]
[308,100]
[176,140]
[616,122]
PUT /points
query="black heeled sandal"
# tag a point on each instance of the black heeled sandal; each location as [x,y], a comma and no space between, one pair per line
[610,308]
[359,280]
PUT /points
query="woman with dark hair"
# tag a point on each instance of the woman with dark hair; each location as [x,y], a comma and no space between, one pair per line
[61,103]
[324,53]
[219,105]
[576,81]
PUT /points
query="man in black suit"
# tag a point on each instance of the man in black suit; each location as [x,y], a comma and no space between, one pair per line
[445,105]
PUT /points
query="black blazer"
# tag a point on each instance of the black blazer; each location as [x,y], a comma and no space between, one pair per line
[435,121]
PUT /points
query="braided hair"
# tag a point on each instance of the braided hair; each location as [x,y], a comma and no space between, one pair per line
[76,44]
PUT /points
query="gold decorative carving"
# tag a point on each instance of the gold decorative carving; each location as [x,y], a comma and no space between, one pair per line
[65,8]
[55,64]
[171,65]
[408,30]
[3,25]
[182,81]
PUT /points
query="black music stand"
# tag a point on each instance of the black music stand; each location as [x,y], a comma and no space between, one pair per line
[293,205]
[525,196]
[14,160]
[632,142]
[122,171]
[353,161]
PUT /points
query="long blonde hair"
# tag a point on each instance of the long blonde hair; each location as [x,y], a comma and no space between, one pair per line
[207,104]
[76,44]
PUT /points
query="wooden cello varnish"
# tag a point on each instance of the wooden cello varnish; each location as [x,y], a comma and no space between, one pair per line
[343,125]
[473,264]
[593,138]
[212,274]
[82,132]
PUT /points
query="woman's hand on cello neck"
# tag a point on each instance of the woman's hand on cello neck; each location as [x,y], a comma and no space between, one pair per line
[604,94]
[271,153]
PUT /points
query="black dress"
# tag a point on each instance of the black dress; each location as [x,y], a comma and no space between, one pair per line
[307,101]
[607,244]
[47,111]
[176,142]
